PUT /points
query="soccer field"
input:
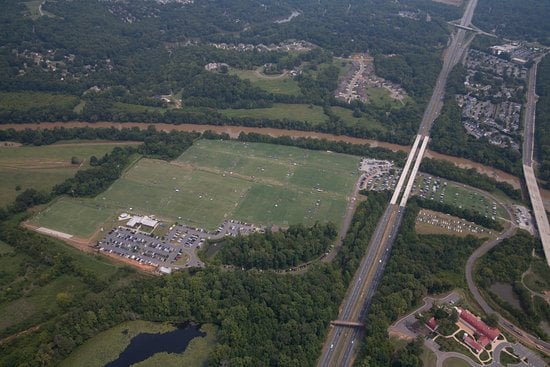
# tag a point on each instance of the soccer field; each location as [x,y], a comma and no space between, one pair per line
[216,180]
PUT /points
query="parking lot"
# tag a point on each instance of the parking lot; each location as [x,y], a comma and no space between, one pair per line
[379,175]
[434,188]
[523,218]
[139,246]
[180,241]
[444,223]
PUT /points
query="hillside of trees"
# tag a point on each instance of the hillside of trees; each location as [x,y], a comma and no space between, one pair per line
[520,20]
[507,263]
[542,126]
[419,265]
[278,250]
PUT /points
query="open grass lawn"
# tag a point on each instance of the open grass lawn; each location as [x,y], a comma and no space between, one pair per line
[214,180]
[460,196]
[280,84]
[279,111]
[364,121]
[33,9]
[344,65]
[78,217]
[42,167]
[107,346]
[15,101]
[455,362]
[428,357]
[381,97]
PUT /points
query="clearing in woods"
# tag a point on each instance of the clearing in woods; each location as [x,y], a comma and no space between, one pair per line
[216,180]
[281,83]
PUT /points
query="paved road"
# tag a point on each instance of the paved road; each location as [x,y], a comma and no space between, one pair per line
[528,169]
[530,110]
[348,216]
[521,335]
[527,159]
[340,344]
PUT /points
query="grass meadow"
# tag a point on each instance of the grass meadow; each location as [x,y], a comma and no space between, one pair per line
[216,180]
[24,101]
[28,302]
[279,84]
[38,302]
[106,347]
[279,111]
[364,121]
[42,167]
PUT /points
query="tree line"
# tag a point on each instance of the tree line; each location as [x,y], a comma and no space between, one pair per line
[542,126]
[278,250]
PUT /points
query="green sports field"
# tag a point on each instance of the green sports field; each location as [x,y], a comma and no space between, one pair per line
[73,216]
[214,180]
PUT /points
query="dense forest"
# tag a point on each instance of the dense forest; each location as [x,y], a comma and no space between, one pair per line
[542,126]
[520,20]
[419,265]
[114,60]
[264,318]
[278,250]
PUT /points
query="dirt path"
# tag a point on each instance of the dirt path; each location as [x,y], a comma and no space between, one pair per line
[21,333]
[83,244]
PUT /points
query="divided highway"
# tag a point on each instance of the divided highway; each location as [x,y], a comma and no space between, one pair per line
[341,341]
[528,171]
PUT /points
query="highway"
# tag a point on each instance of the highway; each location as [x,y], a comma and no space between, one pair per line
[528,169]
[339,347]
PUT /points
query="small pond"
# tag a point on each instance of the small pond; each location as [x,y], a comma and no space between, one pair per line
[506,292]
[145,345]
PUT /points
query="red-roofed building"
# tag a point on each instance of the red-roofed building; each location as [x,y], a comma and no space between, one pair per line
[432,324]
[487,334]
[483,340]
[472,343]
